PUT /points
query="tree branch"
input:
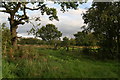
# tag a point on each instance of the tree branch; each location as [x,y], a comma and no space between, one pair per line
[32,8]
[18,22]
[17,7]
[5,6]
[35,8]
[6,11]
[24,15]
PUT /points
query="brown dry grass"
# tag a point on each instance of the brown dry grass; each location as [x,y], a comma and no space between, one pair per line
[40,46]
[49,46]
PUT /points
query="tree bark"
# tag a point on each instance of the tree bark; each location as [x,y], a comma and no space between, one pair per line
[118,44]
[14,37]
[55,46]
[67,48]
[73,48]
[13,29]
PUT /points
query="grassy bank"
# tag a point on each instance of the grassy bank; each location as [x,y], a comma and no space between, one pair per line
[47,63]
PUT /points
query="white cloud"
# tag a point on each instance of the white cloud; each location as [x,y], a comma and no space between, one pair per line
[69,22]
[4,18]
[24,35]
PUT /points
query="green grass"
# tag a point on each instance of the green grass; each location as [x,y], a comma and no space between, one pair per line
[0,67]
[46,63]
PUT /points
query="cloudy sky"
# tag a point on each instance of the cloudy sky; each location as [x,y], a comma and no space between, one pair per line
[69,22]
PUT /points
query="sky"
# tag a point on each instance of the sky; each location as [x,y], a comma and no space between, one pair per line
[69,22]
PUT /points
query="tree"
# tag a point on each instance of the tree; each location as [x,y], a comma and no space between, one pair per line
[16,18]
[56,43]
[104,20]
[14,9]
[72,43]
[79,38]
[66,43]
[85,39]
[49,33]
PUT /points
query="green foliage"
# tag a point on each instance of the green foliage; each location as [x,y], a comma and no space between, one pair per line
[8,69]
[14,7]
[104,20]
[0,53]
[25,52]
[57,64]
[6,37]
[18,13]
[48,33]
[66,43]
[86,51]
[0,33]
[68,5]
[31,41]
[85,39]
[72,42]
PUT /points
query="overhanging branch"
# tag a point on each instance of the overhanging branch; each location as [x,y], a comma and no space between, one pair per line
[32,8]
[6,11]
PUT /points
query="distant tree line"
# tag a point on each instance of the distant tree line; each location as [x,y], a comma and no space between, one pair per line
[30,41]
[50,35]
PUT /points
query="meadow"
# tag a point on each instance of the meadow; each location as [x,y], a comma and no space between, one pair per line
[38,62]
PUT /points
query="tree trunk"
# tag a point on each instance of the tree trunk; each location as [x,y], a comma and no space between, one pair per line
[55,46]
[14,37]
[13,29]
[118,39]
[67,48]
[4,51]
[118,45]
[73,48]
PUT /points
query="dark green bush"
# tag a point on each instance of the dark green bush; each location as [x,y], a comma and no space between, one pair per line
[86,51]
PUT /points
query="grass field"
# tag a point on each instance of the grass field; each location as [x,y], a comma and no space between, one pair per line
[48,63]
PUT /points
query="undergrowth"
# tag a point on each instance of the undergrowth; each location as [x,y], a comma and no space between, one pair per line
[30,62]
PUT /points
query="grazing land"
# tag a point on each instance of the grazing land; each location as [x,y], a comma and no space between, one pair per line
[36,62]
[69,42]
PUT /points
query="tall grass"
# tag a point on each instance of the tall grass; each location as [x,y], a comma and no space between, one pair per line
[31,62]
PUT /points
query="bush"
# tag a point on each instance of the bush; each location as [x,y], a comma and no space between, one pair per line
[90,53]
[86,51]
[26,52]
[6,37]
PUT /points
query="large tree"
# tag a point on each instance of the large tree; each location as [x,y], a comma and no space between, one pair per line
[66,43]
[18,13]
[85,39]
[72,43]
[104,19]
[48,33]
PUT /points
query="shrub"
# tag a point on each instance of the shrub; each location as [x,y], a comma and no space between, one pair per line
[25,52]
[86,51]
[6,37]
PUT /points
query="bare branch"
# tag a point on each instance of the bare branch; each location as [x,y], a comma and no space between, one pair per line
[3,11]
[6,11]
[5,6]
[24,17]
[32,8]
[17,7]
[18,22]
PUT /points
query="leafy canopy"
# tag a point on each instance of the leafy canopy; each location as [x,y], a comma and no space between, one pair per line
[104,20]
[48,33]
